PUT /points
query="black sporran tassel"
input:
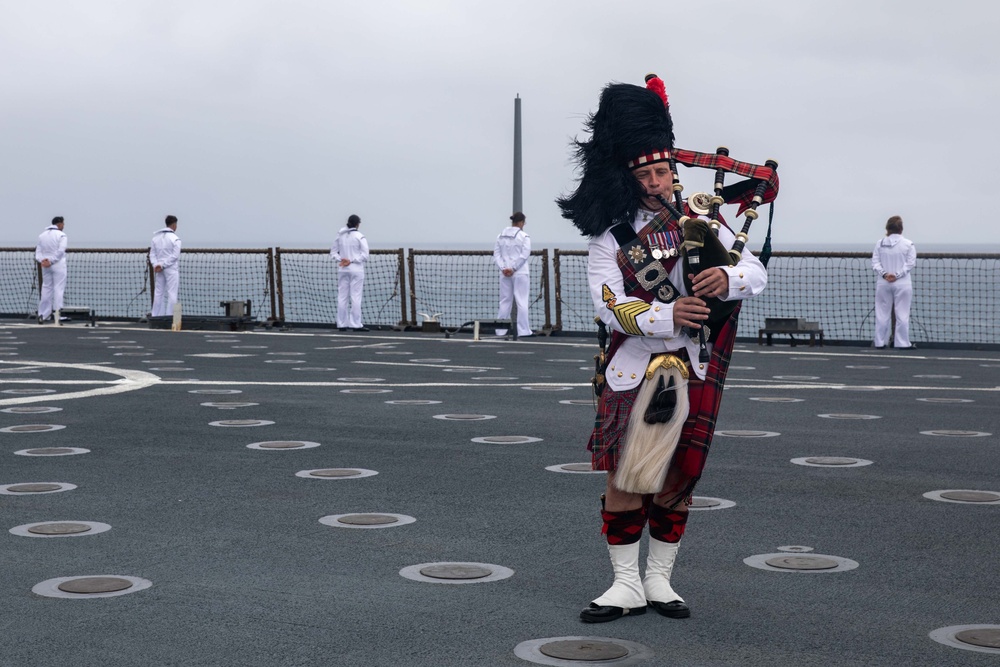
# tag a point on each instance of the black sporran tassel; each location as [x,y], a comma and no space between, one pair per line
[661,407]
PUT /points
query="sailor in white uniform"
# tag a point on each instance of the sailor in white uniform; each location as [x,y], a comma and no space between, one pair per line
[164,256]
[51,254]
[511,254]
[350,251]
[893,260]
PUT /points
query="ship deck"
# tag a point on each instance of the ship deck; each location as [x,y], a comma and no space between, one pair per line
[823,455]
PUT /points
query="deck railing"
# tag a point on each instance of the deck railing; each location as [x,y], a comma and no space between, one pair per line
[956,296]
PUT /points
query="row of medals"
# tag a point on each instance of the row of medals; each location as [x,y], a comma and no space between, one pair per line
[699,203]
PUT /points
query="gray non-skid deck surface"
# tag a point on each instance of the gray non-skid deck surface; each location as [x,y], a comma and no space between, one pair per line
[243,573]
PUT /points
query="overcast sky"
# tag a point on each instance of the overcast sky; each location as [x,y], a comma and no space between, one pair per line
[266,123]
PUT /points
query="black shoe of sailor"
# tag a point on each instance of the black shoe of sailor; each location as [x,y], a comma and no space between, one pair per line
[675,609]
[598,614]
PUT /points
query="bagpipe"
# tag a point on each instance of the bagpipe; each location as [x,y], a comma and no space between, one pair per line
[701,248]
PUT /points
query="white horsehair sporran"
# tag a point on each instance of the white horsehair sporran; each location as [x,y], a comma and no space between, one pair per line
[654,427]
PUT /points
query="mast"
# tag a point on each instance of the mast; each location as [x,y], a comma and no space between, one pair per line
[518,203]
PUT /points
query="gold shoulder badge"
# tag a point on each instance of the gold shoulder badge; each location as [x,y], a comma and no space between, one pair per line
[608,296]
[626,312]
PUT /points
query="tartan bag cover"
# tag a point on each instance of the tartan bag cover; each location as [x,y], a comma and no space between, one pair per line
[738,193]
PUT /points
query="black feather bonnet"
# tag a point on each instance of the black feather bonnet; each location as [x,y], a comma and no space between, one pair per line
[630,122]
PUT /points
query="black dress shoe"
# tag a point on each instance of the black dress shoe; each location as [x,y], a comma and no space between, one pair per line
[675,609]
[598,614]
[342,329]
[361,329]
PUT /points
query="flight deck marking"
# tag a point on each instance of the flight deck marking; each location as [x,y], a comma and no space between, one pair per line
[411,365]
[872,355]
[361,384]
[735,385]
[357,347]
[130,380]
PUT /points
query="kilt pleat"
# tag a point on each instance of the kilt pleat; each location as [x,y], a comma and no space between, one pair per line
[610,424]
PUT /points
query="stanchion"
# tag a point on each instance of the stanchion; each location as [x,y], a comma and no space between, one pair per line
[176,325]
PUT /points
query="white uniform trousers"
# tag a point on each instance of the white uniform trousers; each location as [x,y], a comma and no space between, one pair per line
[350,286]
[890,296]
[53,286]
[515,289]
[165,296]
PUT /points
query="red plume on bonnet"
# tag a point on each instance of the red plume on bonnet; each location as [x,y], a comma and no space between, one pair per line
[655,84]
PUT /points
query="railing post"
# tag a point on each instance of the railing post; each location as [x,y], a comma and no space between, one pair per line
[270,279]
[545,288]
[152,284]
[279,287]
[402,288]
[558,286]
[413,289]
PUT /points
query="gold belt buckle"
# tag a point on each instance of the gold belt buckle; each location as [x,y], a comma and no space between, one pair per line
[666,361]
